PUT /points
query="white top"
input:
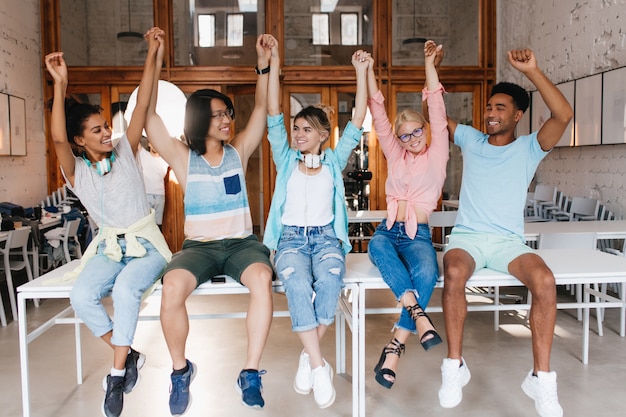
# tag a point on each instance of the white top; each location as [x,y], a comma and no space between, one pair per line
[117,199]
[154,169]
[309,199]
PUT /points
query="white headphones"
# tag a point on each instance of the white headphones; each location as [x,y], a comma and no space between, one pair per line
[102,167]
[312,160]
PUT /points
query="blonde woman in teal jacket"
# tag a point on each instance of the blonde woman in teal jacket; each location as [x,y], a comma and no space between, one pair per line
[308,222]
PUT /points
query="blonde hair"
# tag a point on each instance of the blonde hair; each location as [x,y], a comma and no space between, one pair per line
[410,115]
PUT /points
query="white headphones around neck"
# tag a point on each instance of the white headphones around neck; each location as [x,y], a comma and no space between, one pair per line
[312,160]
[102,167]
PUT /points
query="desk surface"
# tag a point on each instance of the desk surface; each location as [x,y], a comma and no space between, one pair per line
[367,216]
[568,266]
[605,229]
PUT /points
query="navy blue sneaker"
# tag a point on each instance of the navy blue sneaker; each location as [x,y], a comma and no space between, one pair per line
[114,397]
[134,362]
[180,397]
[250,387]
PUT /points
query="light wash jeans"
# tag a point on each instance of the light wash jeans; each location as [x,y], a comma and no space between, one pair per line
[405,264]
[126,281]
[311,267]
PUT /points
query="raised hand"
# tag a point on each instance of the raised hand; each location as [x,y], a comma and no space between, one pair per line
[431,52]
[155,37]
[361,60]
[55,64]
[522,60]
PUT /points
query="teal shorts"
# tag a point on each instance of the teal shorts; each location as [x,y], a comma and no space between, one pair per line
[489,250]
[219,257]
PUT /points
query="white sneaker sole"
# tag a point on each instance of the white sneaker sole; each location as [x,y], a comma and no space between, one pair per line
[457,400]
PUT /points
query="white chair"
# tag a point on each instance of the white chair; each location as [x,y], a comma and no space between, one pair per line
[70,231]
[572,241]
[17,239]
[442,219]
[544,197]
[580,208]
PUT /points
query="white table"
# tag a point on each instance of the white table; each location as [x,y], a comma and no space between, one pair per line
[583,267]
[604,229]
[366,216]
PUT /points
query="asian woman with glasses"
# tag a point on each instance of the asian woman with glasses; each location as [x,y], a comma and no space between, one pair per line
[401,248]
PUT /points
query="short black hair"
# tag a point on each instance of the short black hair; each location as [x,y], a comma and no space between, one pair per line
[518,94]
[198,117]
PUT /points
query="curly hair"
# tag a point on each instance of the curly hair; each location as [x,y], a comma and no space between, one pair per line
[517,93]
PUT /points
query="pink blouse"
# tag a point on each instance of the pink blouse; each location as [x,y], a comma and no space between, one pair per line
[417,179]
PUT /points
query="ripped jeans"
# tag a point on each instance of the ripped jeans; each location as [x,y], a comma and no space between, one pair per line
[311,266]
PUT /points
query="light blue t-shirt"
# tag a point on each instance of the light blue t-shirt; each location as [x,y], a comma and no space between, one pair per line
[495,181]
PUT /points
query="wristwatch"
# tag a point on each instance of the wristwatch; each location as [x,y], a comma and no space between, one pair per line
[263,71]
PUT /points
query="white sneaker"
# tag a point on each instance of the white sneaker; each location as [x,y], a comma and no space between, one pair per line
[302,383]
[454,376]
[323,389]
[542,389]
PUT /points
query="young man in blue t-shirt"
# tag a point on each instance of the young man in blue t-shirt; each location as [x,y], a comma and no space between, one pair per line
[489,231]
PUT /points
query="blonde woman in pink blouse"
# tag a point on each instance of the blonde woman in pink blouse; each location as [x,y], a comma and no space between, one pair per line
[401,248]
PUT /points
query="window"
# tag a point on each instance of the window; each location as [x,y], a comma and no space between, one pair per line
[321,31]
[234,25]
[349,28]
[206,30]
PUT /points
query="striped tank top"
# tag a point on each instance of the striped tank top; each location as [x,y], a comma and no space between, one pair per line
[216,201]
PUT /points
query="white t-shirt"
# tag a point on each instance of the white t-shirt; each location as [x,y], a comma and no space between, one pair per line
[117,199]
[309,199]
[154,169]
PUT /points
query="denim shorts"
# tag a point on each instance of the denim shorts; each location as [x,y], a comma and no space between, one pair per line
[219,257]
[489,250]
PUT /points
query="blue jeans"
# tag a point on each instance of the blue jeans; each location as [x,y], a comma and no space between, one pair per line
[405,264]
[311,267]
[126,281]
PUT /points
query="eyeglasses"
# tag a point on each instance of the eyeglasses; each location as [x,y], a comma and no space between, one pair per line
[407,136]
[230,113]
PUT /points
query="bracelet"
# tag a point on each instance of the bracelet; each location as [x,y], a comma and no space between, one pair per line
[263,71]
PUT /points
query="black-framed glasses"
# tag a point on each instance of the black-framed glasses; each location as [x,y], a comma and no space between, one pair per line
[415,133]
[230,113]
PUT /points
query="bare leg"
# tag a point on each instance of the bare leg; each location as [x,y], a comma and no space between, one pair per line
[258,278]
[532,271]
[119,352]
[177,286]
[458,267]
[311,342]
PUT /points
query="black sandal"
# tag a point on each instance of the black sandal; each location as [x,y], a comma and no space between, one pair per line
[397,349]
[416,312]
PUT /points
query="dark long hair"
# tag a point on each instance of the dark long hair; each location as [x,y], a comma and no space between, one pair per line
[76,114]
[198,117]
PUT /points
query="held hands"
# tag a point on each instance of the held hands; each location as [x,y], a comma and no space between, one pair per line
[55,64]
[522,60]
[155,37]
[433,53]
[266,47]
[362,60]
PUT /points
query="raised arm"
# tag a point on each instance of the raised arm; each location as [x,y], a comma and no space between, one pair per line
[138,119]
[561,111]
[55,64]
[361,63]
[430,54]
[247,140]
[273,89]
[172,150]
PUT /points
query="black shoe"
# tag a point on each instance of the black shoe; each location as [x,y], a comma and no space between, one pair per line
[114,397]
[134,362]
[393,347]
[416,312]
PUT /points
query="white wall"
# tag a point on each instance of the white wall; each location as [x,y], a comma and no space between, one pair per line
[571,39]
[23,178]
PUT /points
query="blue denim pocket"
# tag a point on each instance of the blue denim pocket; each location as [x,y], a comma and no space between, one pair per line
[232,184]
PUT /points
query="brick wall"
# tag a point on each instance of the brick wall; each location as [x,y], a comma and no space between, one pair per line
[23,178]
[571,39]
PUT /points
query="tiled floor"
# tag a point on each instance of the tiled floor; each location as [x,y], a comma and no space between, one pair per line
[498,361]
